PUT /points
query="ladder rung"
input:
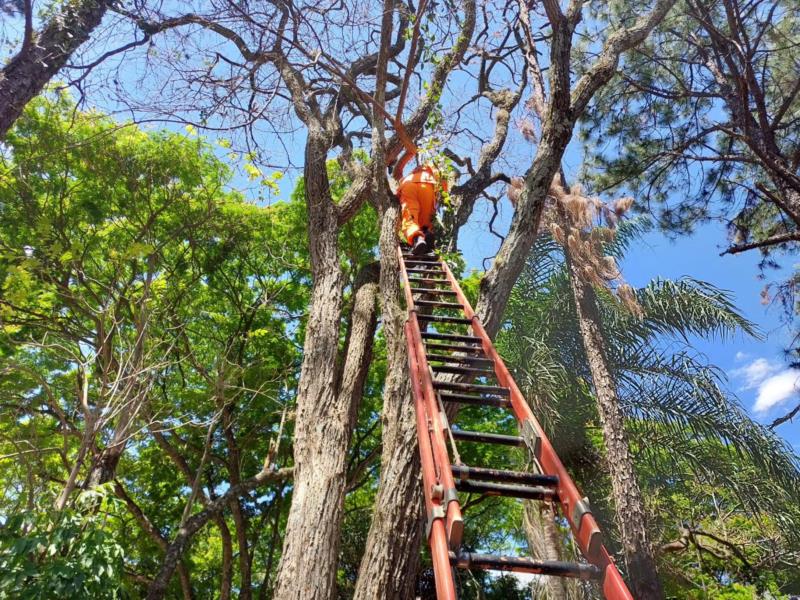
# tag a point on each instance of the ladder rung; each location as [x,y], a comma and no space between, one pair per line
[475,372]
[426,271]
[444,319]
[474,388]
[488,562]
[466,473]
[451,337]
[438,304]
[426,280]
[454,358]
[407,257]
[454,348]
[432,291]
[475,400]
[479,437]
[526,492]
[416,261]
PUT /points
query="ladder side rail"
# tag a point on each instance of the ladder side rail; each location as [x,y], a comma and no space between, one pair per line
[437,535]
[454,520]
[574,506]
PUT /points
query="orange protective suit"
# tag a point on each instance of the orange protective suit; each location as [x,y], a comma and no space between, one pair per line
[417,193]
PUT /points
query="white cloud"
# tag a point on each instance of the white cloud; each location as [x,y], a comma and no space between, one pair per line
[756,372]
[777,389]
[775,384]
[740,356]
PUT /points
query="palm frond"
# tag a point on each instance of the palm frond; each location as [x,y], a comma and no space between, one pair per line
[682,398]
[627,232]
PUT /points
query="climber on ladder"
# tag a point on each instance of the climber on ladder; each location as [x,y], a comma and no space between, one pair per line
[418,193]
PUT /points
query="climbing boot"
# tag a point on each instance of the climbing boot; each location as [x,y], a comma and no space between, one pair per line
[430,239]
[420,246]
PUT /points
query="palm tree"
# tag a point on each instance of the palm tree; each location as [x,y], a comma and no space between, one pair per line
[658,402]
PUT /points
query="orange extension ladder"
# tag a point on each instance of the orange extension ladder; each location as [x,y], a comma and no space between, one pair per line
[430,290]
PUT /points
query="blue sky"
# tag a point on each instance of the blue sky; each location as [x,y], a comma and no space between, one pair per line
[755,369]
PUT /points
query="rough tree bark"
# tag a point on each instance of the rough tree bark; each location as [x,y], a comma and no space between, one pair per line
[391,557]
[563,108]
[44,53]
[324,410]
[628,502]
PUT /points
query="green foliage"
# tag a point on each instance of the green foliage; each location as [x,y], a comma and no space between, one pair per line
[702,461]
[70,554]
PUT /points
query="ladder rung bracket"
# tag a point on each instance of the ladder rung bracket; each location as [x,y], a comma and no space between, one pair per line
[475,400]
[451,337]
[532,438]
[474,388]
[525,492]
[466,473]
[488,562]
[479,437]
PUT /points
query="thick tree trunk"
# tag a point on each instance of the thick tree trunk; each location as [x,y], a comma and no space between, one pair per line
[389,565]
[43,54]
[309,557]
[323,425]
[628,501]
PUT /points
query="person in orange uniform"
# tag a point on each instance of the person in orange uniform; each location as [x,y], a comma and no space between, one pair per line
[418,193]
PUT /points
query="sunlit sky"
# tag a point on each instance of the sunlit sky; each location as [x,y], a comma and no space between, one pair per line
[755,368]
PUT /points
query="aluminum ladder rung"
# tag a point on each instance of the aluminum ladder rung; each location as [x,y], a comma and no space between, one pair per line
[489,562]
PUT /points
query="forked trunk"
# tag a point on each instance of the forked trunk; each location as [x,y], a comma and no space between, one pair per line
[326,403]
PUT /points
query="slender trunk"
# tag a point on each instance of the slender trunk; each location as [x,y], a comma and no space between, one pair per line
[198,520]
[391,556]
[628,501]
[245,572]
[151,530]
[43,54]
[239,518]
[226,569]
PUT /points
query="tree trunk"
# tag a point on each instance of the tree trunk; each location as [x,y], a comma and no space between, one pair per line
[43,54]
[628,501]
[323,425]
[226,570]
[391,557]
[198,520]
[546,542]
